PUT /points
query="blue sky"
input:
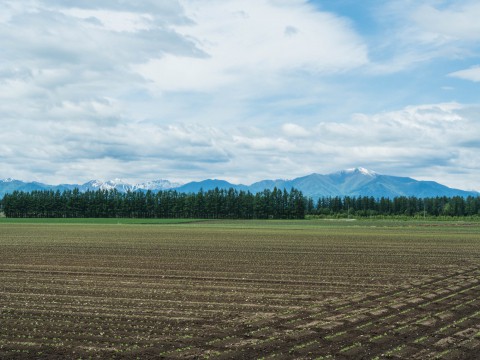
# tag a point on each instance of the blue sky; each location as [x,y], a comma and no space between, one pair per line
[240,90]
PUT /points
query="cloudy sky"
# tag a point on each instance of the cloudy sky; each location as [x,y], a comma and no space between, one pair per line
[240,90]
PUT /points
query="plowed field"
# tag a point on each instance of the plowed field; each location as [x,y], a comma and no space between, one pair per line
[240,289]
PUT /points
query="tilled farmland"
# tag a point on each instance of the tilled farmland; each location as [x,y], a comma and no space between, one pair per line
[240,290]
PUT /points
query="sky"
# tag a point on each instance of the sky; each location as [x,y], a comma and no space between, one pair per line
[241,90]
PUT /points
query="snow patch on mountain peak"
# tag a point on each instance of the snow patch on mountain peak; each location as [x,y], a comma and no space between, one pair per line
[124,186]
[362,171]
[157,185]
[94,183]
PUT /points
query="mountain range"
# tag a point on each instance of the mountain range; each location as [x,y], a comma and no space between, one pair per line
[351,182]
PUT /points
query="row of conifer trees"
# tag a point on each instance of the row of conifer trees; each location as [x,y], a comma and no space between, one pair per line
[224,204]
[212,204]
[363,206]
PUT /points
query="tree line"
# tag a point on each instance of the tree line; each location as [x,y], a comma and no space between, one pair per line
[224,204]
[412,206]
[212,204]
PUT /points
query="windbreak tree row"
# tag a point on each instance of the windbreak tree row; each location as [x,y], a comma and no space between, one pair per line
[212,204]
[399,206]
[225,204]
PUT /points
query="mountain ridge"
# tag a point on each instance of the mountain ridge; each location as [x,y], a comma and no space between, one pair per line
[349,182]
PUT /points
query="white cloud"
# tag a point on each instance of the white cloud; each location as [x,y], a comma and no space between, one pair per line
[119,21]
[273,145]
[294,130]
[458,21]
[236,52]
[51,54]
[420,32]
[472,74]
[245,41]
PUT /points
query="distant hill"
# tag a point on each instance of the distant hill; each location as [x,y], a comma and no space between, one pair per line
[363,182]
[351,182]
[10,185]
[209,184]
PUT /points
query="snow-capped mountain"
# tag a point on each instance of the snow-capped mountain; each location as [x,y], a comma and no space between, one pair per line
[118,184]
[157,185]
[10,185]
[359,170]
[350,182]
[122,186]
